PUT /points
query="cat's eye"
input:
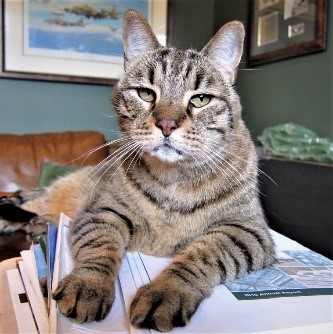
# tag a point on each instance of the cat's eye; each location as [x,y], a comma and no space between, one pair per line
[199,101]
[147,95]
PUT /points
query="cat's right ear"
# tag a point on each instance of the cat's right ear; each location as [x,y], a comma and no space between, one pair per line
[138,36]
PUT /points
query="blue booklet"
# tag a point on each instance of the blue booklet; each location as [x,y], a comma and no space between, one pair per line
[52,233]
[41,262]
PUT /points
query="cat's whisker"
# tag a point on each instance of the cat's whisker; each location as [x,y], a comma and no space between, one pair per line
[111,156]
[115,156]
[125,151]
[122,134]
[97,168]
[113,131]
[259,170]
[130,151]
[202,161]
[108,115]
[204,168]
[217,163]
[227,165]
[225,161]
[246,185]
[233,166]
[266,175]
[243,150]
[238,179]
[95,149]
[135,159]
[233,179]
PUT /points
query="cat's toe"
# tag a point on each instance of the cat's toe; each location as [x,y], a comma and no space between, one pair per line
[36,228]
[162,307]
[84,298]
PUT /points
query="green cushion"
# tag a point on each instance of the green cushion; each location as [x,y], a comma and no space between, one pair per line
[50,172]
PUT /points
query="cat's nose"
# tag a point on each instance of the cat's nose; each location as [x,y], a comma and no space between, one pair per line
[167,126]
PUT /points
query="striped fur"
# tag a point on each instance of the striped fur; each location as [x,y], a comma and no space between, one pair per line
[183,183]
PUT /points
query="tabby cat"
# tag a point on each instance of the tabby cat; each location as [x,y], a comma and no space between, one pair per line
[183,184]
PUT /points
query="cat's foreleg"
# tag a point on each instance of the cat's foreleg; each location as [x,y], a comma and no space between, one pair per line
[173,297]
[18,212]
[98,242]
[12,217]
[224,253]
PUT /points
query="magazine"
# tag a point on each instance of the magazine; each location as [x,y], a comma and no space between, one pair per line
[297,273]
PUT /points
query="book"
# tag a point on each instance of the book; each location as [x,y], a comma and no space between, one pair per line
[30,267]
[51,235]
[246,305]
[63,265]
[40,261]
[22,308]
[32,288]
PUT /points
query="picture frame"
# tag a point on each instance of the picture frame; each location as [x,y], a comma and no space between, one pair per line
[283,29]
[70,41]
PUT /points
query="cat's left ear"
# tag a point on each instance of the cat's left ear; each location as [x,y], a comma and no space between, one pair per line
[138,36]
[226,48]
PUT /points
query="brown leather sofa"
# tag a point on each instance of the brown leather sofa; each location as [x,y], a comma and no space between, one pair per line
[21,160]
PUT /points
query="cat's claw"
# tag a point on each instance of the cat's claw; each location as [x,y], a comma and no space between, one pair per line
[85,297]
[36,228]
[162,306]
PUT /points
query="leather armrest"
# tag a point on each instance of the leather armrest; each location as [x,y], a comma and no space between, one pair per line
[22,156]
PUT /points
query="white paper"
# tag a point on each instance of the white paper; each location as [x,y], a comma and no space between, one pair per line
[23,314]
[223,313]
[220,313]
[30,265]
[38,306]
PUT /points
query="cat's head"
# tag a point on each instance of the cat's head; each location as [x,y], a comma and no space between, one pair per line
[178,105]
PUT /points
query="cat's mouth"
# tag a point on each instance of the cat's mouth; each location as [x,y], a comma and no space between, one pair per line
[167,152]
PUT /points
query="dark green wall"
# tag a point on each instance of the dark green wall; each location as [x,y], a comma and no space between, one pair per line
[298,90]
[192,22]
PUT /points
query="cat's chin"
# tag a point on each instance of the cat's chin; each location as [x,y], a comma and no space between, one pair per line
[167,153]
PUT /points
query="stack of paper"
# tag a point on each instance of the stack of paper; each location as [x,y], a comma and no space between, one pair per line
[295,294]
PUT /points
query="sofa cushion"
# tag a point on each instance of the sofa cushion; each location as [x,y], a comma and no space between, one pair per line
[50,172]
[22,156]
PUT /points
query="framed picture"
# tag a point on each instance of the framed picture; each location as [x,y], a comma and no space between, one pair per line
[281,29]
[70,40]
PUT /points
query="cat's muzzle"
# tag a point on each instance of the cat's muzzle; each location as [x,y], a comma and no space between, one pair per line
[167,152]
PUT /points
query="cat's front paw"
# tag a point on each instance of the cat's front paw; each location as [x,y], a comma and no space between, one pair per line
[85,296]
[162,306]
[36,227]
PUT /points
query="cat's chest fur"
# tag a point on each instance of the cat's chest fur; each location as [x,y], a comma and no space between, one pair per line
[171,207]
